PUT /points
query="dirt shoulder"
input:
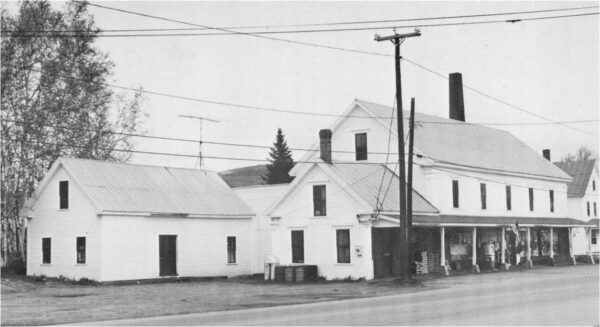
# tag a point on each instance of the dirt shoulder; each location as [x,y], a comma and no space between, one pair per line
[27,302]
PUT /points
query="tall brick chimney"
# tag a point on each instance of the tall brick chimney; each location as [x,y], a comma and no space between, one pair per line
[325,136]
[457,103]
[546,154]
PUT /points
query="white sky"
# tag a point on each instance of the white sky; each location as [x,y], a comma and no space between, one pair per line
[548,67]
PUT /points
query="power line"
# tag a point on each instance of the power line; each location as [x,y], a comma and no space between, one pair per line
[328,47]
[285,111]
[231,32]
[330,23]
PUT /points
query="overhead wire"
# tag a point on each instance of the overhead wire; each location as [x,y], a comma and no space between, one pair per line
[336,30]
[334,23]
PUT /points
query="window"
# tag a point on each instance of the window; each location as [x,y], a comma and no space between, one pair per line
[482,189]
[455,193]
[595,212]
[530,199]
[230,249]
[63,191]
[588,208]
[81,250]
[343,245]
[508,198]
[319,200]
[593,185]
[360,142]
[297,246]
[551,201]
[46,248]
[594,236]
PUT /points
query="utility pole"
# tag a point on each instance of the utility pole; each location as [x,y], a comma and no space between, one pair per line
[200,161]
[411,139]
[398,39]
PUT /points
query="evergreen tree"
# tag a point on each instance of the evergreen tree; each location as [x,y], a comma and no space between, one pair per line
[281,162]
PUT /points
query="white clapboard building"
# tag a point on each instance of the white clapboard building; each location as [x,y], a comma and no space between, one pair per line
[109,221]
[480,184]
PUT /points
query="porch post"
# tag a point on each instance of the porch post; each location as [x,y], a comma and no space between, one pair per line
[551,252]
[474,252]
[503,249]
[529,262]
[590,245]
[571,256]
[445,269]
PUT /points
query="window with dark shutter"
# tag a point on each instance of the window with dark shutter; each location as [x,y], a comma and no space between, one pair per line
[343,245]
[508,198]
[230,249]
[455,193]
[551,201]
[530,199]
[63,191]
[482,189]
[46,248]
[297,246]
[81,250]
[320,200]
[360,141]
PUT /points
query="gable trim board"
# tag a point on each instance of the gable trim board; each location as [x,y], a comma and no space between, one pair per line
[500,136]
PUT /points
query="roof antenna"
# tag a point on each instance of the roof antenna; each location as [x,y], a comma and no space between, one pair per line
[200,161]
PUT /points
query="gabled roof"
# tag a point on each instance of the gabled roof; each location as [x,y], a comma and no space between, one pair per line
[463,144]
[260,197]
[451,142]
[581,171]
[129,188]
[364,180]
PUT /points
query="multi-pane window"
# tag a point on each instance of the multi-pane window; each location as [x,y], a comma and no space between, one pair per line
[594,236]
[530,199]
[46,250]
[551,201]
[455,193]
[360,142]
[81,250]
[483,192]
[319,200]
[343,245]
[230,249]
[63,192]
[297,246]
[588,208]
[508,198]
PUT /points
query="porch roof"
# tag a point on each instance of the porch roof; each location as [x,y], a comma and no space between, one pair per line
[489,221]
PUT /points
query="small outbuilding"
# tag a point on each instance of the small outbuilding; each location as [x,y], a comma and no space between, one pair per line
[109,221]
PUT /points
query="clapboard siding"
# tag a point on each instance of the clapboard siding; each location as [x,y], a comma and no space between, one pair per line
[63,227]
[296,213]
[133,251]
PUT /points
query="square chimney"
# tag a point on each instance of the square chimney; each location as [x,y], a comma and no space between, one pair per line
[457,103]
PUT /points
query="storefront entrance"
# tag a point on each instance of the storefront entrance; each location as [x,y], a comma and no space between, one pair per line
[386,251]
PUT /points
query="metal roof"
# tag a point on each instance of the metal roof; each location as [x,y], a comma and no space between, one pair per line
[454,142]
[364,180]
[119,187]
[581,171]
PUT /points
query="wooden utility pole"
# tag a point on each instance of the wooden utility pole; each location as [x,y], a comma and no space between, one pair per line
[411,139]
[398,39]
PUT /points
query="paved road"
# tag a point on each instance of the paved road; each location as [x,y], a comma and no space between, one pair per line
[545,296]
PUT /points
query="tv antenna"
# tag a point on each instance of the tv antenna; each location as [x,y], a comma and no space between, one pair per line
[200,161]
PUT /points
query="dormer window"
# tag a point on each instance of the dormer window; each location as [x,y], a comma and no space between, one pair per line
[63,193]
[360,142]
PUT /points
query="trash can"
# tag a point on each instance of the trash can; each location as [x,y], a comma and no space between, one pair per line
[270,263]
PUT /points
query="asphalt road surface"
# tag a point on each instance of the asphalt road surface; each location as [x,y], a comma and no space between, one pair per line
[545,296]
